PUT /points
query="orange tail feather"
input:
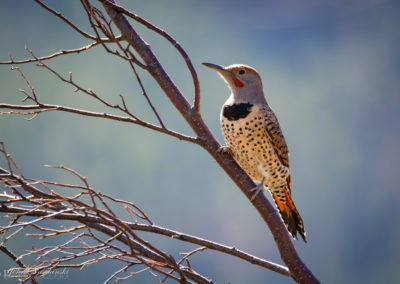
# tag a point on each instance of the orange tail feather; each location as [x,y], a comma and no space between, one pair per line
[290,215]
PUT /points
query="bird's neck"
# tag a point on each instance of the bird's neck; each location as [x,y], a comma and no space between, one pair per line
[244,95]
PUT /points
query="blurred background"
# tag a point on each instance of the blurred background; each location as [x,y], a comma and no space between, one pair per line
[331,73]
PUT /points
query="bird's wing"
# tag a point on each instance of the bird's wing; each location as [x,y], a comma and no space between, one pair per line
[275,135]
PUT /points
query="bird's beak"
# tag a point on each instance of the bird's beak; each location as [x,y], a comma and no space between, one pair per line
[218,68]
[227,75]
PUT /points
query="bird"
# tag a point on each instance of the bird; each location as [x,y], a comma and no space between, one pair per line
[254,137]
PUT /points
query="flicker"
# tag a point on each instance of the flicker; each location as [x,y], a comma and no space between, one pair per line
[255,139]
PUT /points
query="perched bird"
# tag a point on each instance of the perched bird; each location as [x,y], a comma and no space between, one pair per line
[254,137]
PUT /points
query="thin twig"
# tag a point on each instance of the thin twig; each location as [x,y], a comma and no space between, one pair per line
[172,41]
[105,27]
[123,269]
[34,98]
[144,93]
[59,15]
[17,261]
[90,14]
[142,214]
[51,56]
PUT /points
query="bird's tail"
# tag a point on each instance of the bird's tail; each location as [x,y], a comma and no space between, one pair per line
[290,215]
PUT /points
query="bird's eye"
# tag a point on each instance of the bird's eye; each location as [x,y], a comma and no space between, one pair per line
[241,71]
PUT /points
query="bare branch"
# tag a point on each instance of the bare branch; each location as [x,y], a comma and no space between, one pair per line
[144,93]
[17,261]
[171,40]
[68,22]
[40,108]
[106,28]
[37,109]
[91,13]
[33,97]
[115,274]
[212,245]
[51,56]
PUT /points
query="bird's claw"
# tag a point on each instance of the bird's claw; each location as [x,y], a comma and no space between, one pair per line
[224,149]
[259,188]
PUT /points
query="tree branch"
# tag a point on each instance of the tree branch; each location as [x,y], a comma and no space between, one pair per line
[49,107]
[61,52]
[68,22]
[211,245]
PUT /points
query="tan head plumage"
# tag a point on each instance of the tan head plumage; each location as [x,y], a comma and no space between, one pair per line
[243,80]
[241,70]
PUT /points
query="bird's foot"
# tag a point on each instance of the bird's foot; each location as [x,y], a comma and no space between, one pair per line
[224,149]
[259,188]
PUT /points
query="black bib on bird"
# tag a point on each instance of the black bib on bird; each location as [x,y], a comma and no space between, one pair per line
[237,111]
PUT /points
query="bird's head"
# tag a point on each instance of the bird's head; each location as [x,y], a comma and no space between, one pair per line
[243,80]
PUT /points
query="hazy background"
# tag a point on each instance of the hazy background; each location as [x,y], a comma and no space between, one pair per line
[330,72]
